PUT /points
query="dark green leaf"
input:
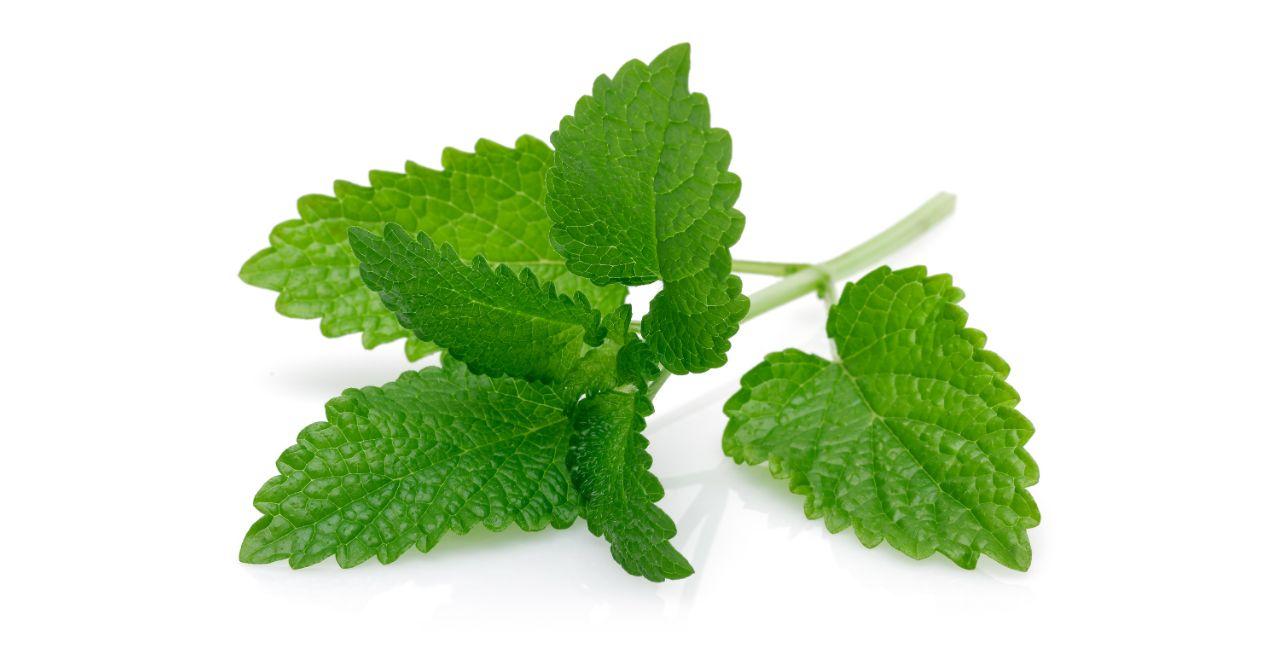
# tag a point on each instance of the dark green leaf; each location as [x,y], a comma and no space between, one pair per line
[640,191]
[495,321]
[610,467]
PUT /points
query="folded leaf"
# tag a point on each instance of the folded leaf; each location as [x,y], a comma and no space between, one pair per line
[495,321]
[489,202]
[623,359]
[640,191]
[611,469]
[435,451]
[911,437]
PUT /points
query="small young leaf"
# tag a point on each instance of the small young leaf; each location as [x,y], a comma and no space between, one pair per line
[911,437]
[495,321]
[435,451]
[611,469]
[640,191]
[488,202]
[622,360]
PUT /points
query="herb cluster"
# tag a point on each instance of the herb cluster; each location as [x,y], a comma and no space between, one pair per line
[515,263]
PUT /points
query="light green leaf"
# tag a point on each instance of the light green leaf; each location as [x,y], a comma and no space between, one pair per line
[417,349]
[911,437]
[435,451]
[489,202]
[640,191]
[611,469]
[495,321]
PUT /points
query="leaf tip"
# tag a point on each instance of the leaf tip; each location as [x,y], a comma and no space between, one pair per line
[254,272]
[678,54]
[365,244]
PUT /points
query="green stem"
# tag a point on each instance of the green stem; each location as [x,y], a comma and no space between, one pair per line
[658,383]
[767,267]
[879,246]
[804,278]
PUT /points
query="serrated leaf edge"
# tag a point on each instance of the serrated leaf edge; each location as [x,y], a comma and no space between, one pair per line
[975,337]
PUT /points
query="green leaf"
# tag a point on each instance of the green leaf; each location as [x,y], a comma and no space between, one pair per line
[640,191]
[610,468]
[417,349]
[495,321]
[911,437]
[489,202]
[435,451]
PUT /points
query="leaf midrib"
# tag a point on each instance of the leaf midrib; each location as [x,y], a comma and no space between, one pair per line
[877,416]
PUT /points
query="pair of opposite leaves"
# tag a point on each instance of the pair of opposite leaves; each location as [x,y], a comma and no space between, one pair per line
[911,437]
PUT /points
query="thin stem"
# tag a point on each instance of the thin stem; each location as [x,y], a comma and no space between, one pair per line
[658,383]
[767,267]
[822,277]
[879,246]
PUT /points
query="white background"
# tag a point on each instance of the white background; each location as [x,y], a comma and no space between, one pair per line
[1114,163]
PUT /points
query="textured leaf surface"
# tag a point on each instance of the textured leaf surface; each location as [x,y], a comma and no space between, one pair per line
[435,451]
[912,437]
[495,321]
[640,191]
[611,469]
[489,202]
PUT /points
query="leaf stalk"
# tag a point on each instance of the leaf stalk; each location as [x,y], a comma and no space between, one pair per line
[813,278]
[776,268]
